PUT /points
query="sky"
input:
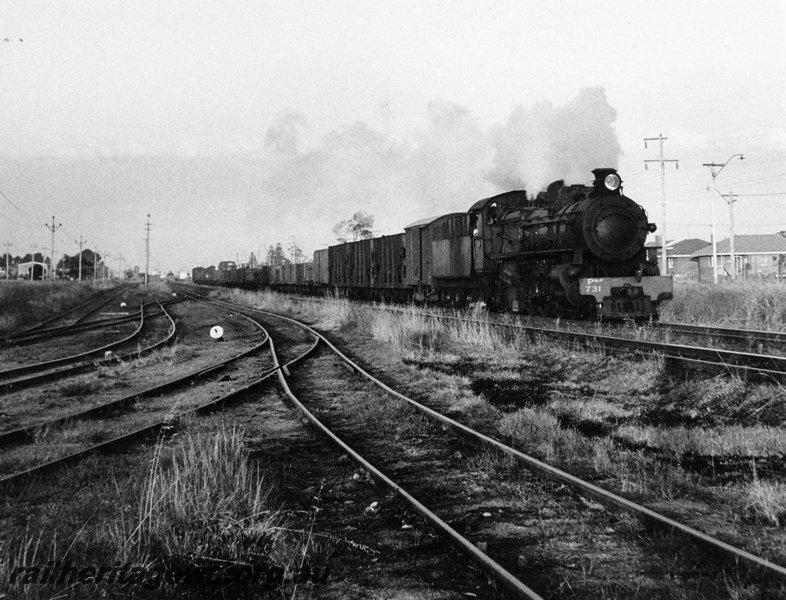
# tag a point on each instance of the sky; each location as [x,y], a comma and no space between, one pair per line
[240,124]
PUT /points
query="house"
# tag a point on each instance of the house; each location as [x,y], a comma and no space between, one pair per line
[755,257]
[679,254]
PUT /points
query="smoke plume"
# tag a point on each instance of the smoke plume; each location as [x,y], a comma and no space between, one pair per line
[544,143]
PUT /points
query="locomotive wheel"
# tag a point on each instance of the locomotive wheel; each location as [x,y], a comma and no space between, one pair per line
[543,310]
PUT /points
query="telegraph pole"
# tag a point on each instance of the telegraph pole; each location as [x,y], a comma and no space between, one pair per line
[7,256]
[715,169]
[52,259]
[95,264]
[733,269]
[662,161]
[80,242]
[147,247]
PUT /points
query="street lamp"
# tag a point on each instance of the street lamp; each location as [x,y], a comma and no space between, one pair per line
[712,167]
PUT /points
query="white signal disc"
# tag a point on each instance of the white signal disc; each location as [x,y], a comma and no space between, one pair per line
[217,332]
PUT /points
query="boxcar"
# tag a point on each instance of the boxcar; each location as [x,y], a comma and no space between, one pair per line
[369,269]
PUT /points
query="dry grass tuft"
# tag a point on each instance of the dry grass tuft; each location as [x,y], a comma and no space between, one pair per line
[758,441]
[765,502]
[206,504]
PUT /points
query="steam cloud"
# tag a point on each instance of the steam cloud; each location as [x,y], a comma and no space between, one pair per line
[445,167]
[542,144]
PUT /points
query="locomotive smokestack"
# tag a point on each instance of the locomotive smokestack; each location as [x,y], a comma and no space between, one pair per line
[607,181]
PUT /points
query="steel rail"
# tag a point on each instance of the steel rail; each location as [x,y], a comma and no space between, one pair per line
[103,296]
[154,429]
[744,364]
[44,334]
[547,471]
[26,434]
[56,362]
[751,336]
[83,367]
[463,544]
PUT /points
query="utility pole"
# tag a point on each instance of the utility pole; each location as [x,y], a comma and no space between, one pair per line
[95,264]
[80,242]
[719,167]
[662,161]
[733,269]
[7,256]
[147,247]
[52,259]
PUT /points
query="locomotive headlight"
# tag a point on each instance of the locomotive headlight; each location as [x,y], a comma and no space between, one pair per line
[612,182]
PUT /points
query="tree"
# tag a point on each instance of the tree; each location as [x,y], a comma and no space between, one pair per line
[275,255]
[278,256]
[296,253]
[358,227]
[69,265]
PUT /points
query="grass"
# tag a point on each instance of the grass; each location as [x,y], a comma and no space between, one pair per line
[205,503]
[765,502]
[195,504]
[544,397]
[735,441]
[750,304]
[25,303]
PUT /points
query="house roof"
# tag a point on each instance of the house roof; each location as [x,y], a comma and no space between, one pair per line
[686,247]
[679,247]
[748,244]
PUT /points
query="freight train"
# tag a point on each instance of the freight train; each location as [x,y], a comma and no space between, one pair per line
[571,250]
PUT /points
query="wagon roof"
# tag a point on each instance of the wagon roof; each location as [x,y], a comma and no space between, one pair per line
[513,198]
[422,222]
[430,220]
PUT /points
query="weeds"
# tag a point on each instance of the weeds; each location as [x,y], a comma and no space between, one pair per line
[206,504]
[24,303]
[765,502]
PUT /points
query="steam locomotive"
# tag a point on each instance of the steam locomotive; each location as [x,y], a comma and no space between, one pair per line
[572,250]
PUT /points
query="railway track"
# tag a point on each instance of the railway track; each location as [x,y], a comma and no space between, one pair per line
[155,406]
[753,363]
[748,365]
[67,320]
[490,555]
[714,546]
[29,375]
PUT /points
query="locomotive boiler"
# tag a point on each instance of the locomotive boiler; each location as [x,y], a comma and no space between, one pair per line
[573,250]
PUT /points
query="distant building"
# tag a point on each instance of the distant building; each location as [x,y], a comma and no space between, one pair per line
[32,270]
[679,254]
[755,257]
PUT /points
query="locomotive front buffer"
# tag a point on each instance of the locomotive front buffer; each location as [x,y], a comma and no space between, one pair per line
[621,297]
